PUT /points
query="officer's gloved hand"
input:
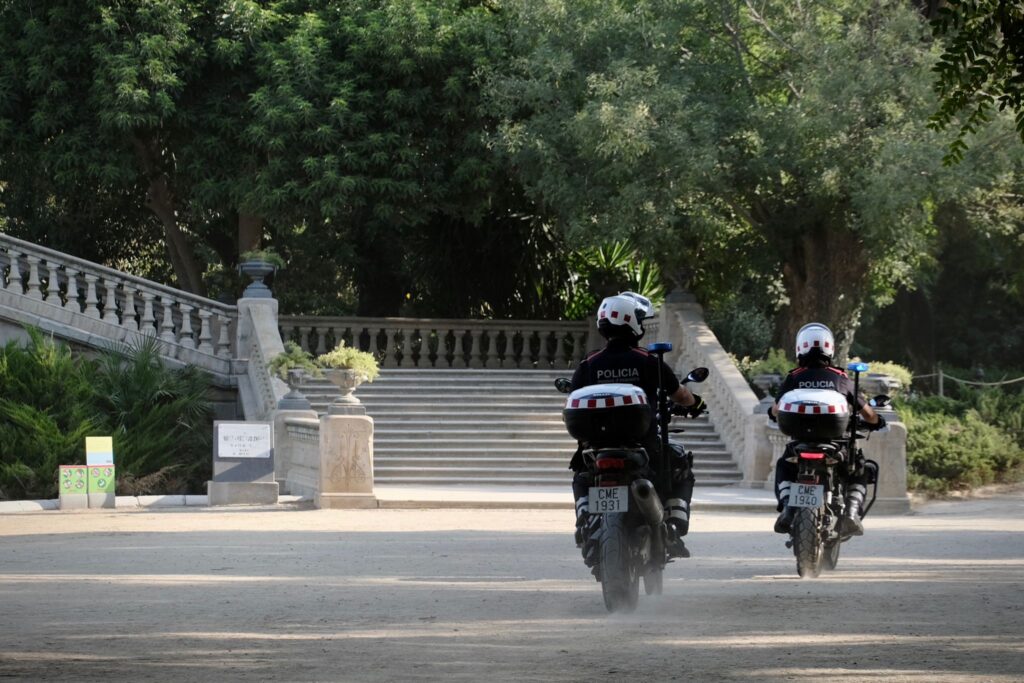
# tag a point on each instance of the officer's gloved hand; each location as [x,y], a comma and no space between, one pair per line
[696,408]
[876,427]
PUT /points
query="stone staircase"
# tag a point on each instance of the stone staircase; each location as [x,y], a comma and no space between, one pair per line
[490,427]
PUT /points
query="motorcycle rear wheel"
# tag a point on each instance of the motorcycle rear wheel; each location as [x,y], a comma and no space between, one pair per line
[830,556]
[620,575]
[807,544]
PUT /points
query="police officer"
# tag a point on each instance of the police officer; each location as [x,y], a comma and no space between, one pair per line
[620,321]
[815,348]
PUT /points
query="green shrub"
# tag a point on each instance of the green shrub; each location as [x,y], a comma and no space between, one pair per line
[348,358]
[159,418]
[894,369]
[775,362]
[945,452]
[293,358]
[265,255]
[45,414]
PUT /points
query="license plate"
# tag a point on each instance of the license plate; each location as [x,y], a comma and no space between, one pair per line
[607,499]
[806,495]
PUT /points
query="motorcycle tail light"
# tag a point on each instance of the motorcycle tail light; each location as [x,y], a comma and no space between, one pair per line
[611,464]
[812,456]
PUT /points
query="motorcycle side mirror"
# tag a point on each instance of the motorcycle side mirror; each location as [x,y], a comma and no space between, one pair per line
[698,375]
[563,385]
[880,401]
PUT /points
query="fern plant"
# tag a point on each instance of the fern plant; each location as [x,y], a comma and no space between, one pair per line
[293,358]
[347,358]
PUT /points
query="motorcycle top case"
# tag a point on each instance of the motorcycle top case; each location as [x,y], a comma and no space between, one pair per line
[607,413]
[814,414]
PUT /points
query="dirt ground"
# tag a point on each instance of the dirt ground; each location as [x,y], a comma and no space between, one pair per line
[409,595]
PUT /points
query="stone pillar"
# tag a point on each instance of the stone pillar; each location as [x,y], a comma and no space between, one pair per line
[889,449]
[294,404]
[346,462]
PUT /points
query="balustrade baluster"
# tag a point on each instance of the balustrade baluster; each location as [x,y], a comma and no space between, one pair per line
[71,293]
[128,312]
[53,283]
[406,347]
[33,291]
[223,341]
[579,348]
[185,336]
[90,296]
[14,276]
[148,325]
[321,341]
[167,324]
[475,359]
[204,331]
[492,360]
[305,337]
[110,301]
[458,352]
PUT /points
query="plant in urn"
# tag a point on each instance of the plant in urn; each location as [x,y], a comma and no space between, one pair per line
[347,368]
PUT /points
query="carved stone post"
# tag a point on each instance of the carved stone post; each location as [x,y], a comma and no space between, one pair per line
[346,462]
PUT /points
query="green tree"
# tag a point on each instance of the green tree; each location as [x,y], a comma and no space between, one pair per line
[781,142]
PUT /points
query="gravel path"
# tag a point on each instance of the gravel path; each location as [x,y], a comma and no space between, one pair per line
[403,595]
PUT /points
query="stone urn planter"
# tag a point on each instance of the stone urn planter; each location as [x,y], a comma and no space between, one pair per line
[257,271]
[347,381]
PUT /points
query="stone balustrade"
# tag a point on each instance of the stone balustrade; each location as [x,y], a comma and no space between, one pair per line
[730,399]
[447,343]
[102,306]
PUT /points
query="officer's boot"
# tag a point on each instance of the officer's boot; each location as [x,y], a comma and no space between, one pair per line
[784,523]
[581,519]
[678,525]
[850,524]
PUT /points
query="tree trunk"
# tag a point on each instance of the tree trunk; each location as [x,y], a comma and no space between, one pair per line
[824,276]
[160,200]
[250,232]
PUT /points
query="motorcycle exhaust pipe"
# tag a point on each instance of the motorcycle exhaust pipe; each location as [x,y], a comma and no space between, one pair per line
[647,501]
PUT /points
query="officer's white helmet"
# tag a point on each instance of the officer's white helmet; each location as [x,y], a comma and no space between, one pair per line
[815,339]
[619,313]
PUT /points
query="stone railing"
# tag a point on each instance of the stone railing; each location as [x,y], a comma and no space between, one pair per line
[258,342]
[730,399]
[439,343]
[99,306]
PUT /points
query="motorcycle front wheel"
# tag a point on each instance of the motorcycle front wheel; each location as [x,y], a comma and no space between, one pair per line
[620,576]
[807,544]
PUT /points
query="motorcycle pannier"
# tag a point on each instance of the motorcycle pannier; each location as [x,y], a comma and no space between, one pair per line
[607,413]
[814,414]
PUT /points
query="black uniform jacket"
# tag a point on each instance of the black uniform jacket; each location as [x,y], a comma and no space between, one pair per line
[821,378]
[622,363]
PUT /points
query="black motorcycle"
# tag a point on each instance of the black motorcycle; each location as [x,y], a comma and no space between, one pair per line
[610,421]
[825,433]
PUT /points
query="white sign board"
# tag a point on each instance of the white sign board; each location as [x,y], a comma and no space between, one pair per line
[243,440]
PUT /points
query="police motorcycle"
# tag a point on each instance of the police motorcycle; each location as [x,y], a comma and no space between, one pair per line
[611,421]
[824,432]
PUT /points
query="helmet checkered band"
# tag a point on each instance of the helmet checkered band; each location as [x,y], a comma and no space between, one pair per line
[620,310]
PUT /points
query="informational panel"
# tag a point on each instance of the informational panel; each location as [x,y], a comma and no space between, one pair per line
[99,450]
[243,451]
[101,479]
[243,439]
[73,480]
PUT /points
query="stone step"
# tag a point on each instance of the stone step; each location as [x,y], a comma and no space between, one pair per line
[512,480]
[506,449]
[725,466]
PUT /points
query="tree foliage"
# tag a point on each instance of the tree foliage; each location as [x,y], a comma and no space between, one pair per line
[979,71]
